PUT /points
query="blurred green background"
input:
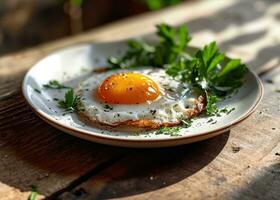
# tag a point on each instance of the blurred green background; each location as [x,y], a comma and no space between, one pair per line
[25,23]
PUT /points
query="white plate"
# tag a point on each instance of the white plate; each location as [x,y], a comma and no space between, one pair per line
[73,64]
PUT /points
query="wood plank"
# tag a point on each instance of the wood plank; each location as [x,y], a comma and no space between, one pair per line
[34,153]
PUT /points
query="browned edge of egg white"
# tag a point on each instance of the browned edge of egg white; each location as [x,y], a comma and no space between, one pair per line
[200,104]
[147,124]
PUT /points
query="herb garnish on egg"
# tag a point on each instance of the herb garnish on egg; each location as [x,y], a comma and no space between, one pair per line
[108,107]
[208,70]
[70,102]
[172,46]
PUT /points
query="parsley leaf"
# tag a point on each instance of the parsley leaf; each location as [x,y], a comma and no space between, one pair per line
[214,73]
[33,194]
[211,71]
[70,102]
[138,54]
[211,108]
[54,84]
[171,47]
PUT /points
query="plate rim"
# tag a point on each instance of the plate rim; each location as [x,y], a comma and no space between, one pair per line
[90,134]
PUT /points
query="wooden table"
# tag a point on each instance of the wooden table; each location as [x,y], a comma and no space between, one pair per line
[241,164]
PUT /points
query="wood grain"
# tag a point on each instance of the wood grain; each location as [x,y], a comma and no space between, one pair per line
[34,153]
[240,164]
[212,169]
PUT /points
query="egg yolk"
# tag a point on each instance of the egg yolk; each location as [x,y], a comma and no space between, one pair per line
[128,88]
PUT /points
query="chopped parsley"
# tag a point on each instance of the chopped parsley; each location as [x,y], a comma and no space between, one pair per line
[37,90]
[226,110]
[54,84]
[70,102]
[187,122]
[214,122]
[108,107]
[211,107]
[153,112]
[172,131]
[33,194]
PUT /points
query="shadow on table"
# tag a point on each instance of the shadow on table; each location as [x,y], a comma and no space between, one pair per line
[146,170]
[264,186]
[265,55]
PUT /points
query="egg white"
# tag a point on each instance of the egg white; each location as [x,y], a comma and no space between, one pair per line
[170,107]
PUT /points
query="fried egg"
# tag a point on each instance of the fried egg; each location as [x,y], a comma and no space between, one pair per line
[142,97]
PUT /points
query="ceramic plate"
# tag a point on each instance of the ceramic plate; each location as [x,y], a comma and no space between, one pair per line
[71,65]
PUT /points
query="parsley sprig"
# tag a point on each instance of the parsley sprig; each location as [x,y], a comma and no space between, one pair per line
[171,47]
[211,71]
[70,102]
